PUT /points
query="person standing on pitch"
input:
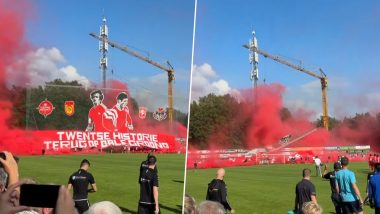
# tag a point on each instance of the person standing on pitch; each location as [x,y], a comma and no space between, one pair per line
[217,190]
[305,192]
[348,190]
[318,163]
[374,189]
[145,165]
[79,181]
[334,194]
[370,174]
[148,203]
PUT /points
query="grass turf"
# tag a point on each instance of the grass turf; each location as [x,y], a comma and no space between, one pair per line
[266,189]
[116,177]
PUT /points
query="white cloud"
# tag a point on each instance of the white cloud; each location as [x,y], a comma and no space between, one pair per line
[205,81]
[342,98]
[152,92]
[43,65]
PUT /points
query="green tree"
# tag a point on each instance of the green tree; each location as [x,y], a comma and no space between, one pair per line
[58,92]
[211,115]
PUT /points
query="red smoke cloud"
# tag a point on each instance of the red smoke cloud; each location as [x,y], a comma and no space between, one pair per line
[261,107]
[142,125]
[14,46]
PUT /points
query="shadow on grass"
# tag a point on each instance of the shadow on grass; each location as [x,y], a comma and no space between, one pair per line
[178,181]
[171,209]
[123,209]
[364,171]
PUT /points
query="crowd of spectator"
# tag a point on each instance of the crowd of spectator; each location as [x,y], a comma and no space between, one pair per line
[10,194]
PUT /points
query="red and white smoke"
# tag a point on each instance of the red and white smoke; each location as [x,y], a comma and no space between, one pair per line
[16,55]
[261,108]
[13,45]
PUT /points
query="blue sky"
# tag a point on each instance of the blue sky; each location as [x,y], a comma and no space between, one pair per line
[162,28]
[341,37]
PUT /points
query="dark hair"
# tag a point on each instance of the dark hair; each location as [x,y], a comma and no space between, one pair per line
[344,161]
[306,172]
[84,161]
[377,167]
[152,160]
[337,166]
[122,96]
[101,96]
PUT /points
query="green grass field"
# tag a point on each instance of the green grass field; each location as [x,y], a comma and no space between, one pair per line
[268,189]
[116,176]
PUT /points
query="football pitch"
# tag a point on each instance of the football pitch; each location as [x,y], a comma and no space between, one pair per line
[116,177]
[266,189]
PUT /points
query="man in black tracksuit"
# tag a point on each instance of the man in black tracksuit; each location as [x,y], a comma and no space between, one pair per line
[148,203]
[335,198]
[145,165]
[217,191]
[79,181]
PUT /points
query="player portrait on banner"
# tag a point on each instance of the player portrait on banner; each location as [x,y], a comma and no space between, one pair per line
[95,115]
[100,118]
[119,115]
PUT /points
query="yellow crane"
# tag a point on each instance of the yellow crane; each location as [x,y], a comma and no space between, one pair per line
[252,46]
[168,68]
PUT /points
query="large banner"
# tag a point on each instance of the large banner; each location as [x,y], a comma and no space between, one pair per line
[67,119]
[87,140]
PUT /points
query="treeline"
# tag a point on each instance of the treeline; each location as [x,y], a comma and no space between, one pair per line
[214,115]
[26,100]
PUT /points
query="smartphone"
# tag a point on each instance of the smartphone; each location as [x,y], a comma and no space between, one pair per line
[37,195]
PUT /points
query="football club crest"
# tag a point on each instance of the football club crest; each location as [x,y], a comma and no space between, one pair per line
[142,112]
[69,108]
[160,114]
[45,108]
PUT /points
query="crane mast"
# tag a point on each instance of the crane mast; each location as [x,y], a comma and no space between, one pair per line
[169,69]
[252,46]
[103,49]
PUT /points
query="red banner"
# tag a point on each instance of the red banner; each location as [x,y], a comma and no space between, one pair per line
[71,141]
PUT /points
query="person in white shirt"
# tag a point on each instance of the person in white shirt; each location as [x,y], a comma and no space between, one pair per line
[318,163]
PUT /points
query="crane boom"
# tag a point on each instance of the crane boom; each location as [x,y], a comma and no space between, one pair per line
[322,78]
[169,69]
[282,61]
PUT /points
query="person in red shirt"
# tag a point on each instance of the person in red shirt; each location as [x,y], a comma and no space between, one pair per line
[119,115]
[95,115]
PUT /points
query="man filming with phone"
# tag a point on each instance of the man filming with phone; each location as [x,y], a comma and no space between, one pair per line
[79,181]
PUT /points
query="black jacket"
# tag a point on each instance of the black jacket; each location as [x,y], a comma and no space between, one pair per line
[217,191]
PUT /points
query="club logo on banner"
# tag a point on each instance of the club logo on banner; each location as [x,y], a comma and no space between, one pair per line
[45,108]
[160,114]
[142,112]
[69,108]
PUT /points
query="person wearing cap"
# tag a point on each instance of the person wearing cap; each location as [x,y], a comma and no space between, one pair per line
[335,198]
[145,165]
[79,181]
[148,203]
[217,190]
[348,190]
